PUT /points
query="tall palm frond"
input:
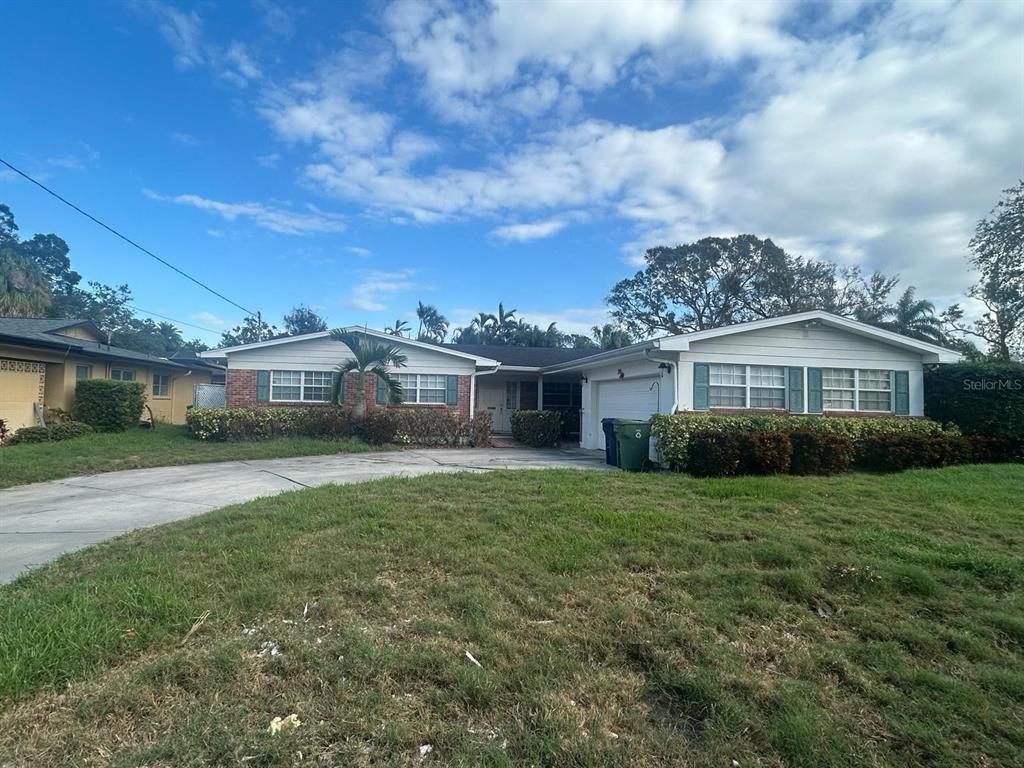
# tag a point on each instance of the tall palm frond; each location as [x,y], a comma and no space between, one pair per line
[398,329]
[367,355]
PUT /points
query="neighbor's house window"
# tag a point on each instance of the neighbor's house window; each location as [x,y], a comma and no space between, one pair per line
[301,386]
[83,372]
[427,388]
[849,389]
[161,385]
[746,386]
[122,374]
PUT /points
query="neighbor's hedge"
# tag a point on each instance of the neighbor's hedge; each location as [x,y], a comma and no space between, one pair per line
[540,429]
[66,430]
[109,406]
[674,433]
[411,426]
[980,398]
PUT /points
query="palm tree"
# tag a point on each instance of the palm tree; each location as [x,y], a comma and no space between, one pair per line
[433,325]
[368,356]
[609,336]
[24,288]
[914,317]
[398,329]
[505,323]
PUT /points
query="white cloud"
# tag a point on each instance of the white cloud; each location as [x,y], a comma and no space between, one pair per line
[268,161]
[364,252]
[183,32]
[536,230]
[77,160]
[208,318]
[237,65]
[524,56]
[275,219]
[369,294]
[185,139]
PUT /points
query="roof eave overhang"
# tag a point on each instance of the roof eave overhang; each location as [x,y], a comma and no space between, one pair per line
[603,358]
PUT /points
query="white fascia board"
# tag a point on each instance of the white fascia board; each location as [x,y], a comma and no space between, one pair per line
[681,342]
[603,358]
[225,351]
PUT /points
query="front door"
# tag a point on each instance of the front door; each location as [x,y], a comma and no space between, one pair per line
[498,399]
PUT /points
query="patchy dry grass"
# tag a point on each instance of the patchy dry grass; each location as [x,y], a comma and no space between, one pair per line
[167,445]
[619,620]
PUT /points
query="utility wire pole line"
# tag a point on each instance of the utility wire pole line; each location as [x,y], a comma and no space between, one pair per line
[128,240]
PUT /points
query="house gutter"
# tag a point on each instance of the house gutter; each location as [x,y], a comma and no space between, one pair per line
[675,382]
[472,387]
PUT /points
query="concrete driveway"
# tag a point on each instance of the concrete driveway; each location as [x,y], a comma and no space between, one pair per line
[42,521]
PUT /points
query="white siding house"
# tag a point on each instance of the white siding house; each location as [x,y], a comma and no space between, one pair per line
[812,362]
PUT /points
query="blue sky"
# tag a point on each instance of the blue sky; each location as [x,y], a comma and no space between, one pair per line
[358,158]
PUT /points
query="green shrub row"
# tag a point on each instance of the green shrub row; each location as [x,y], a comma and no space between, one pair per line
[981,398]
[540,429]
[109,406]
[722,446]
[64,431]
[411,426]
[674,432]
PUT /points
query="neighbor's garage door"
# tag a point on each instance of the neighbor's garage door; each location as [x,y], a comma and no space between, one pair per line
[626,399]
[21,385]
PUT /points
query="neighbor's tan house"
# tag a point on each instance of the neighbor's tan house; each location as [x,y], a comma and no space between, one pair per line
[43,359]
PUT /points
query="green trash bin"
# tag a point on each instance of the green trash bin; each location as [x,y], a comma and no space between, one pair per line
[633,439]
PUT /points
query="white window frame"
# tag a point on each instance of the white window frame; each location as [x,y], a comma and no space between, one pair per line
[121,372]
[857,389]
[415,391]
[305,380]
[167,385]
[747,387]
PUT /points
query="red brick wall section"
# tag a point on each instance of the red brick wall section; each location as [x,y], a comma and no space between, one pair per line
[241,388]
[241,393]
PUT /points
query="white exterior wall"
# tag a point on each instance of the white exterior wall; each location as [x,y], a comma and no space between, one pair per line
[797,345]
[590,426]
[325,354]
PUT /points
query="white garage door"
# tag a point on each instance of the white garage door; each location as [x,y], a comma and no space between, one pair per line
[626,399]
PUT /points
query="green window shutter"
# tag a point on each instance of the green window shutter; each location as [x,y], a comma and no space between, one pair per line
[701,387]
[814,400]
[262,386]
[901,390]
[796,389]
[452,390]
[382,390]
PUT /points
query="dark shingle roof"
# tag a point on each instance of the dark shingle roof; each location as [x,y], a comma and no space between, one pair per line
[532,357]
[44,332]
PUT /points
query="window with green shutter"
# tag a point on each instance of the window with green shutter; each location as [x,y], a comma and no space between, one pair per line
[701,386]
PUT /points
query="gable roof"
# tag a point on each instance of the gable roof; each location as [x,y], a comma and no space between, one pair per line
[523,357]
[445,349]
[43,332]
[682,341]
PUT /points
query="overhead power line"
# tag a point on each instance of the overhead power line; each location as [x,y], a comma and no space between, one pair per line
[128,240]
[172,319]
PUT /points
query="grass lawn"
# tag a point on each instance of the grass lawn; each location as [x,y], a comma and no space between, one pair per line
[164,446]
[618,620]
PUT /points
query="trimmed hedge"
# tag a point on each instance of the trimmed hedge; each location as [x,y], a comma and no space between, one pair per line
[895,453]
[819,453]
[674,433]
[412,426]
[230,424]
[541,429]
[109,406]
[727,454]
[67,430]
[980,398]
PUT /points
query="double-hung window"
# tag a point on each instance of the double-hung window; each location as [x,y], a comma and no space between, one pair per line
[122,374]
[746,386]
[850,389]
[161,385]
[425,388]
[301,386]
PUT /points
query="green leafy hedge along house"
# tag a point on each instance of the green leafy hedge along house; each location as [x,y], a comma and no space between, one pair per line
[806,363]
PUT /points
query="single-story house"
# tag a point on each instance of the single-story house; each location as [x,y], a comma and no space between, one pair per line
[43,359]
[810,362]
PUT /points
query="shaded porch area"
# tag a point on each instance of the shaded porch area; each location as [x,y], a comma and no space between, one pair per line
[506,391]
